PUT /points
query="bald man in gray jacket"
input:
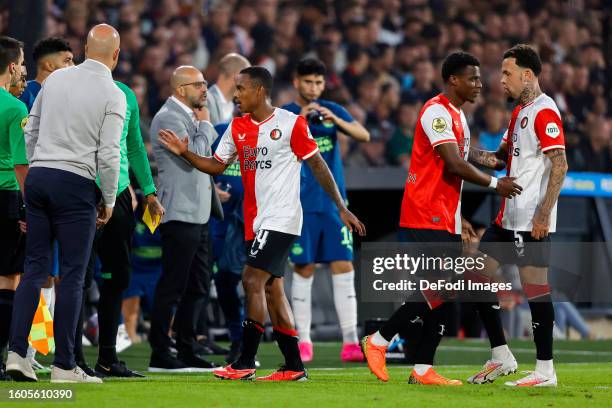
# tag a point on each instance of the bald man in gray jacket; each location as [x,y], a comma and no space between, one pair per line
[189,198]
[73,133]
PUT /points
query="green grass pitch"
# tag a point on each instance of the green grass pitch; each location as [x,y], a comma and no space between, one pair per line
[584,370]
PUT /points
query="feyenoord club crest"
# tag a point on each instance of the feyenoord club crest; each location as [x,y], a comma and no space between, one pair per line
[276,134]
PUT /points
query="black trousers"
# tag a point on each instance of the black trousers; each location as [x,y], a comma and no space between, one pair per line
[60,205]
[113,245]
[184,285]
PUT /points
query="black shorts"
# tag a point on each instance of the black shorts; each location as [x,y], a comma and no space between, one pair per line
[269,251]
[525,251]
[12,240]
[427,235]
[432,244]
[435,242]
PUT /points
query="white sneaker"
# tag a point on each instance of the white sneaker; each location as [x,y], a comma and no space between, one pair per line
[494,369]
[123,340]
[76,375]
[534,379]
[19,368]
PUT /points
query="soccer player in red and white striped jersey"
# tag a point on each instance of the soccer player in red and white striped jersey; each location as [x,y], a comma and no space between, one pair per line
[270,144]
[534,149]
[431,211]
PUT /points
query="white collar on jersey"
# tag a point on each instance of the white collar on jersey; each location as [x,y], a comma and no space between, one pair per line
[454,107]
[265,120]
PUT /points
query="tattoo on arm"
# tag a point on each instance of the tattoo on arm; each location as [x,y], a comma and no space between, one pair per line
[486,159]
[326,180]
[555,181]
[502,152]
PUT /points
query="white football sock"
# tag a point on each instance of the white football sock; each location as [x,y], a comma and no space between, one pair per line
[501,353]
[31,353]
[301,301]
[421,369]
[379,340]
[545,367]
[49,295]
[345,301]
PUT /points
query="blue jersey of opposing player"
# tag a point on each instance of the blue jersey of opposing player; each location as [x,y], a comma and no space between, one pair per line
[30,93]
[324,237]
[313,197]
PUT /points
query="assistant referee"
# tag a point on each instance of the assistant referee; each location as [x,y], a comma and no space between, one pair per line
[13,170]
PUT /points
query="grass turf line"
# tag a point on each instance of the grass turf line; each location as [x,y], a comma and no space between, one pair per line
[352,384]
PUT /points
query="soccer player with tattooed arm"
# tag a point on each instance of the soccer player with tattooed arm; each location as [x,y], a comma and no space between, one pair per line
[431,213]
[270,144]
[534,150]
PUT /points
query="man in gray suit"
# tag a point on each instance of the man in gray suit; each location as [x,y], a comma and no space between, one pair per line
[190,199]
[72,135]
[220,98]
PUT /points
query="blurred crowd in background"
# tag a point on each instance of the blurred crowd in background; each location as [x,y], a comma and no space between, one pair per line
[383,57]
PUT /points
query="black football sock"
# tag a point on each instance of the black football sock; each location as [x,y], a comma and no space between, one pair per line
[251,336]
[411,334]
[413,310]
[288,343]
[488,309]
[6,314]
[432,333]
[490,316]
[542,319]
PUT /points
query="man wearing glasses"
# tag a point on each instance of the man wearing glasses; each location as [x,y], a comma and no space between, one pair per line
[189,199]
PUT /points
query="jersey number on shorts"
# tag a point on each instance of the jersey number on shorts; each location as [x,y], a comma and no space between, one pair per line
[520,244]
[347,238]
[260,242]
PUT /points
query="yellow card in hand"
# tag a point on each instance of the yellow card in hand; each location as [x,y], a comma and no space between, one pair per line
[151,222]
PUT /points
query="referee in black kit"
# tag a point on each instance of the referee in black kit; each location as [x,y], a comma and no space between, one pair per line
[72,134]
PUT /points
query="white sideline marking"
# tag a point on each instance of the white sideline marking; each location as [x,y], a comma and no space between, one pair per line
[447,367]
[529,350]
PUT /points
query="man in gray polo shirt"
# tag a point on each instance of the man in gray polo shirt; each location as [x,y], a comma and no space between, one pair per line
[73,133]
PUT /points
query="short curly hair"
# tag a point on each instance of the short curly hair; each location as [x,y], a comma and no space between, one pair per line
[456,62]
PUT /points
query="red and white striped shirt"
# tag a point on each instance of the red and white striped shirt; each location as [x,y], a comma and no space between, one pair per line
[535,128]
[270,154]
